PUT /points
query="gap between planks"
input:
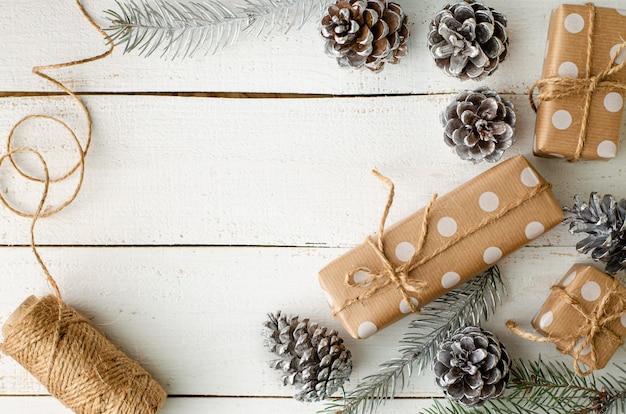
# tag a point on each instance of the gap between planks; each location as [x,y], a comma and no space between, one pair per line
[232,95]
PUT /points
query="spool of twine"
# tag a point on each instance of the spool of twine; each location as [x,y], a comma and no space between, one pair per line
[56,344]
[76,363]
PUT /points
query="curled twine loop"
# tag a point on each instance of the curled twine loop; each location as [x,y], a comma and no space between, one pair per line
[595,324]
[400,275]
[42,211]
[568,86]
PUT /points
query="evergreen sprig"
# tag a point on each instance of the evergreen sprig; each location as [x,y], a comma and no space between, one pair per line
[467,305]
[181,30]
[550,388]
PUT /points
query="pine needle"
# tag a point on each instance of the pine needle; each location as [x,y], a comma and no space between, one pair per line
[467,305]
[183,29]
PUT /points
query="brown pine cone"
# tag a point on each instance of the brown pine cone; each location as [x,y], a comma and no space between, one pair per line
[363,33]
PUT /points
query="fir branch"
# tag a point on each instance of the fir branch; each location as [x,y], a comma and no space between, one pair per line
[476,299]
[183,29]
[550,388]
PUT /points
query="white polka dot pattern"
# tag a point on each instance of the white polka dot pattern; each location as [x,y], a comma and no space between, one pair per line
[622,55]
[546,319]
[329,300]
[613,102]
[562,119]
[361,276]
[607,149]
[446,226]
[568,69]
[367,329]
[590,291]
[492,254]
[574,23]
[450,280]
[580,342]
[404,251]
[569,279]
[405,308]
[534,229]
[528,177]
[488,201]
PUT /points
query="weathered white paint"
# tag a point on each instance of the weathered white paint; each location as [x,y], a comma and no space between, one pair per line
[43,31]
[49,405]
[193,315]
[293,172]
[195,180]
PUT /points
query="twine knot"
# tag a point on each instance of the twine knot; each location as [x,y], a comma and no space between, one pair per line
[389,274]
[563,86]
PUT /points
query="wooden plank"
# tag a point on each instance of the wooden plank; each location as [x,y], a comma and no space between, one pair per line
[193,316]
[29,405]
[44,32]
[290,172]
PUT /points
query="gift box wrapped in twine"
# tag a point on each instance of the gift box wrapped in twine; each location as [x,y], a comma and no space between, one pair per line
[583,85]
[584,316]
[454,238]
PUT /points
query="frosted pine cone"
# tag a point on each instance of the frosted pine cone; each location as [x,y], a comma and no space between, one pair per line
[310,356]
[479,125]
[468,40]
[472,366]
[362,33]
[603,221]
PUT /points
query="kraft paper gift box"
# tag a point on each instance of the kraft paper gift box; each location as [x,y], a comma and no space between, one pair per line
[559,121]
[587,288]
[469,229]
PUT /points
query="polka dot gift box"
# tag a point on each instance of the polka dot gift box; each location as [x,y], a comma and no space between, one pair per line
[581,103]
[466,231]
[584,316]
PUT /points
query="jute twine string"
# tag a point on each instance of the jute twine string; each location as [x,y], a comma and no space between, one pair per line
[82,150]
[73,360]
[400,275]
[568,86]
[595,324]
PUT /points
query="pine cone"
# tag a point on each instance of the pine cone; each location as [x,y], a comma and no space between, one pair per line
[472,366]
[310,356]
[603,221]
[479,125]
[468,39]
[365,33]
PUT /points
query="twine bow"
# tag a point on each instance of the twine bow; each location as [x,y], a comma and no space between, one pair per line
[390,274]
[400,275]
[595,324]
[566,86]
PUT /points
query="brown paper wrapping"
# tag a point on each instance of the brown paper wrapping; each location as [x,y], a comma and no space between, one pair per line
[451,216]
[558,319]
[558,122]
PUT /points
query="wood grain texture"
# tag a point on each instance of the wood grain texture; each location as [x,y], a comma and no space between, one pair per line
[206,341]
[199,215]
[211,171]
[49,405]
[42,32]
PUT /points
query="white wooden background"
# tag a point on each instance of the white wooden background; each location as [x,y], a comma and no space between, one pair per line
[199,215]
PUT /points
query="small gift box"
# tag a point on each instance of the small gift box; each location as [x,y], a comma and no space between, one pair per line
[583,85]
[439,247]
[585,316]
